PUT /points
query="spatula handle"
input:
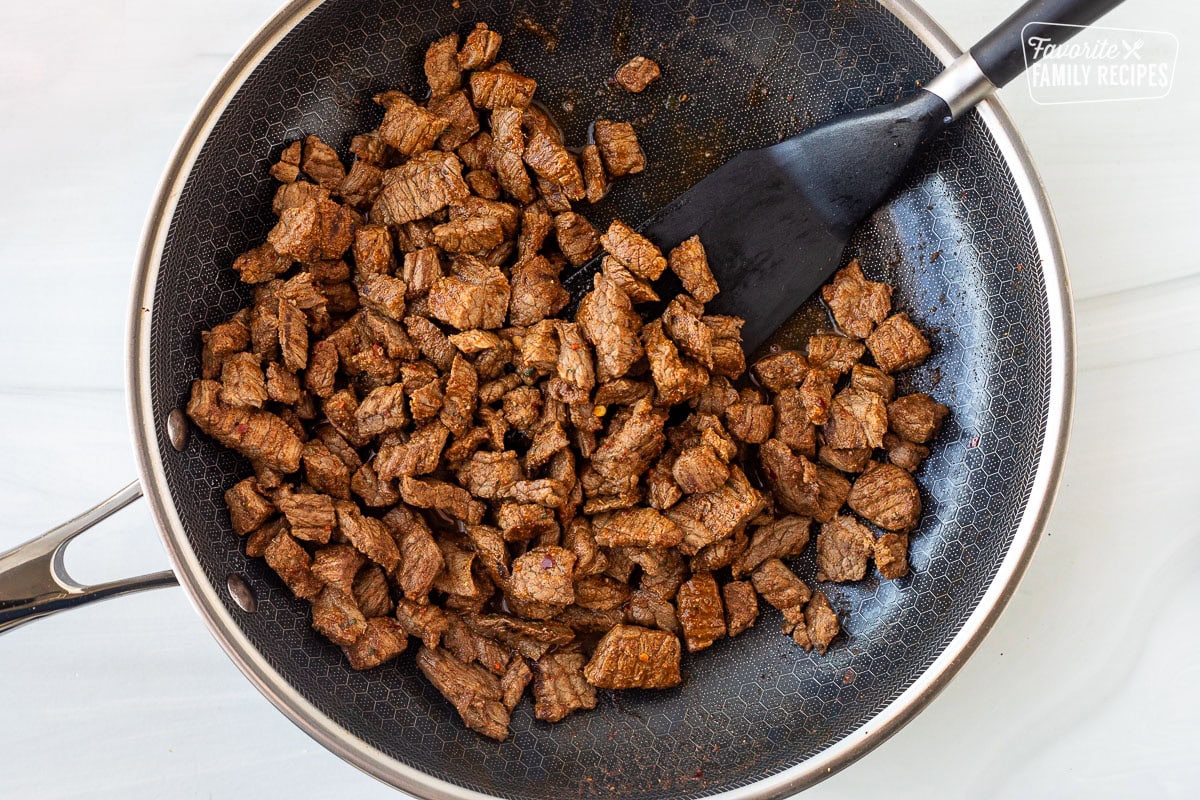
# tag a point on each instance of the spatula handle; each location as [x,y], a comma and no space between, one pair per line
[1000,54]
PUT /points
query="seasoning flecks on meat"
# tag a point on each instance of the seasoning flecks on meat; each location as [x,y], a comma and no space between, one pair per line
[843,547]
[494,89]
[476,295]
[559,686]
[242,381]
[781,371]
[705,518]
[336,566]
[637,527]
[677,380]
[700,611]
[639,290]
[577,238]
[381,641]
[681,321]
[750,422]
[410,128]
[792,478]
[336,617]
[916,417]
[817,394]
[470,235]
[549,159]
[690,263]
[317,229]
[872,379]
[595,180]
[454,500]
[779,586]
[442,70]
[373,252]
[897,344]
[428,182]
[473,691]
[371,593]
[637,73]
[310,516]
[248,507]
[480,48]
[903,453]
[259,435]
[837,354]
[858,305]
[633,250]
[287,168]
[619,147]
[887,496]
[632,657]
[608,320]
[382,411]
[536,292]
[321,163]
[261,264]
[368,535]
[857,419]
[699,469]
[891,555]
[820,621]
[792,425]
[544,575]
[741,606]
[779,539]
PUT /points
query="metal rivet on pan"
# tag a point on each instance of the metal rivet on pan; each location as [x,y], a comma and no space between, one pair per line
[177,429]
[241,593]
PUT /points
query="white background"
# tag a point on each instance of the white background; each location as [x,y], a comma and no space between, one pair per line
[1089,686]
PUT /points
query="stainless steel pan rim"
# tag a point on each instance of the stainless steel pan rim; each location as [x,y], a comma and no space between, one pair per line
[204,597]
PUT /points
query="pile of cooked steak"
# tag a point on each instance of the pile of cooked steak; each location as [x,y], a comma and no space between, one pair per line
[562,503]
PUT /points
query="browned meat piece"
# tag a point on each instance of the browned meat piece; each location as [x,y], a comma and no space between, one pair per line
[510,171]
[338,446]
[370,148]
[428,182]
[480,49]
[589,559]
[426,401]
[817,394]
[322,369]
[792,478]
[594,179]
[577,238]
[293,335]
[310,516]
[382,640]
[714,515]
[619,148]
[258,435]
[373,252]
[292,195]
[321,163]
[836,354]
[729,360]
[373,491]
[382,411]
[490,475]
[337,618]
[873,379]
[553,162]
[858,304]
[779,586]
[426,622]
[608,320]
[780,539]
[690,263]
[264,334]
[261,264]
[513,682]
[639,291]
[522,407]
[432,342]
[287,168]
[462,393]
[544,576]
[442,70]
[483,184]
[494,89]
[529,639]
[843,547]
[719,554]
[631,657]
[468,646]
[637,527]
[622,392]
[651,611]
[290,561]
[716,397]
[574,356]
[463,446]
[600,593]
[633,250]
[383,294]
[887,496]
[410,128]
[473,691]
[456,578]
[750,422]
[681,321]
[560,688]
[362,184]
[699,469]
[417,456]
[857,419]
[368,534]
[337,565]
[897,344]
[536,291]
[471,343]
[464,122]
[371,593]
[523,521]
[316,230]
[700,611]
[446,497]
[916,417]
[853,460]
[741,606]
[257,540]
[550,438]
[420,558]
[637,73]
[781,371]
[832,489]
[677,380]
[792,425]
[411,236]
[242,382]
[536,224]
[475,296]
[477,153]
[891,555]
[468,235]
[821,624]
[629,449]
[904,454]
[248,508]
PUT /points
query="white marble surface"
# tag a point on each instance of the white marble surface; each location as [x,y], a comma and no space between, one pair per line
[1087,688]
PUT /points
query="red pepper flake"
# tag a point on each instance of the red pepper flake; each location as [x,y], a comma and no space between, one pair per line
[974,442]
[243,427]
[547,563]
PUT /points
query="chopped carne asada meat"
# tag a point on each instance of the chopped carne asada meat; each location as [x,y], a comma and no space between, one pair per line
[619,147]
[637,73]
[897,344]
[630,657]
[887,496]
[858,305]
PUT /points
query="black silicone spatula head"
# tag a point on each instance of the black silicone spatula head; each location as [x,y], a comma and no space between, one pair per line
[775,221]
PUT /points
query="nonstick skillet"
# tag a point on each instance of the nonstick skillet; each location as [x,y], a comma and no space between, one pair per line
[968,241]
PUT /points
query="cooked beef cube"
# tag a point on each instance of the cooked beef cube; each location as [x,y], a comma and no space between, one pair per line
[426,622]
[781,371]
[780,539]
[600,593]
[442,70]
[523,521]
[382,411]
[321,163]
[368,534]
[412,236]
[362,184]
[490,475]
[619,148]
[589,559]
[690,263]
[536,224]
[321,273]
[851,460]
[248,508]
[264,335]
[292,195]
[390,333]
[544,576]
[371,593]
[817,394]
[468,646]
[315,230]
[792,478]
[843,547]
[510,171]
[779,586]
[522,407]
[456,578]
[858,304]
[382,640]
[420,558]
[792,425]
[820,623]
[553,162]
[471,343]
[891,555]
[429,182]
[699,469]
[384,294]
[543,491]
[372,490]
[290,561]
[483,184]
[560,688]
[741,606]
[462,391]
[719,554]
[700,611]
[338,446]
[916,417]
[681,321]
[904,454]
[410,128]
[873,379]
[340,408]
[536,291]
[637,527]
[475,296]
[310,516]
[577,238]
[293,335]
[832,489]
[729,360]
[887,496]
[464,446]
[287,168]
[535,120]
[639,291]
[477,153]
[258,435]
[473,691]
[594,179]
[468,235]
[550,438]
[336,566]
[621,391]
[337,618]
[242,382]
[637,73]
[677,380]
[257,540]
[370,148]
[714,515]
[446,497]
[631,657]
[628,450]
[574,356]
[834,353]
[432,342]
[856,419]
[464,122]
[529,639]
[493,89]
[373,252]
[897,344]
[417,456]
[633,250]
[750,422]
[716,397]
[480,49]
[650,611]
[261,264]
[607,318]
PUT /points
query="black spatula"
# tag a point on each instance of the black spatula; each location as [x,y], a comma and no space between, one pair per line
[775,221]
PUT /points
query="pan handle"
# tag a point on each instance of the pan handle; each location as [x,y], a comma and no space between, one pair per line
[33,578]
